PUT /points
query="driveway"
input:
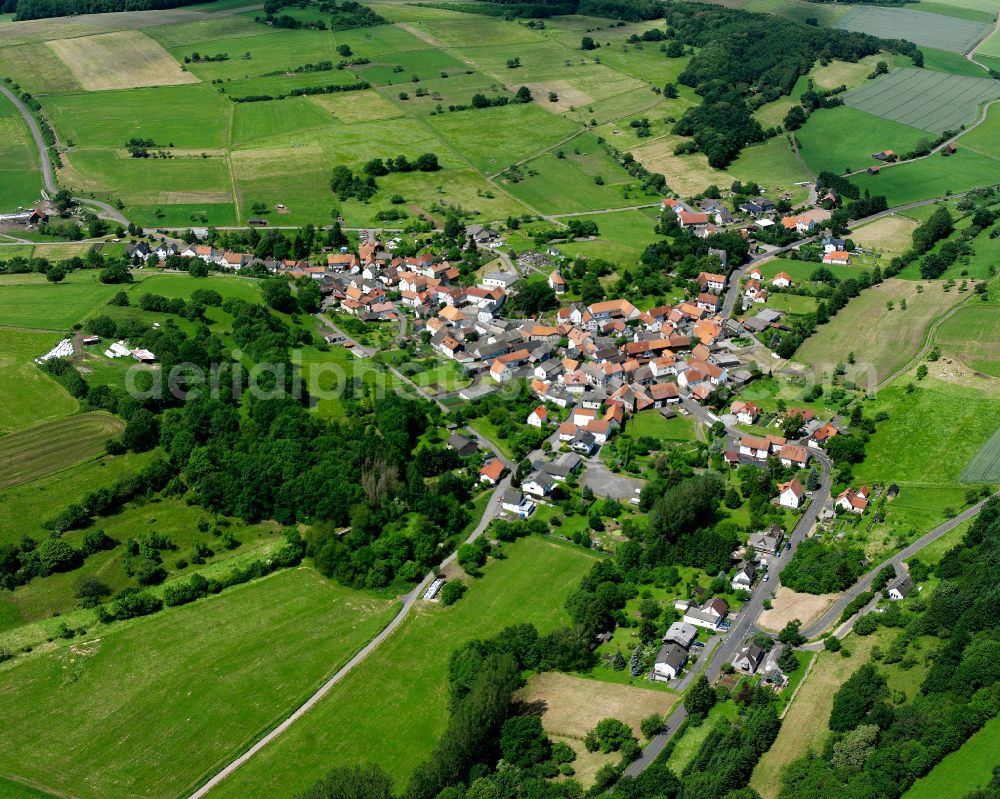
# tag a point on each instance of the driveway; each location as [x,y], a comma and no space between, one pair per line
[605,483]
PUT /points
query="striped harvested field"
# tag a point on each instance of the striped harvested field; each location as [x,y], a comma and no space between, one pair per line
[931,101]
[48,448]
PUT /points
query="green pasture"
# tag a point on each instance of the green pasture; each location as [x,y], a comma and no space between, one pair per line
[944,426]
[26,506]
[177,695]
[279,117]
[972,10]
[955,63]
[30,301]
[48,448]
[963,771]
[494,138]
[973,334]
[983,137]
[28,395]
[931,30]
[555,184]
[37,69]
[653,424]
[189,116]
[396,700]
[186,37]
[20,178]
[920,98]
[801,271]
[935,176]
[40,599]
[270,50]
[844,139]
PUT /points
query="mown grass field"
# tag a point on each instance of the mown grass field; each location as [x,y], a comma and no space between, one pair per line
[51,447]
[28,395]
[931,30]
[843,139]
[963,771]
[396,701]
[20,178]
[934,176]
[931,101]
[177,694]
[30,301]
[944,426]
[881,340]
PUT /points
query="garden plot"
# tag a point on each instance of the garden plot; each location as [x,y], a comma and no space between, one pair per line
[931,101]
[919,27]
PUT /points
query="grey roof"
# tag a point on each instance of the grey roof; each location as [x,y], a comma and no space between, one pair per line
[512,497]
[672,655]
[903,584]
[681,633]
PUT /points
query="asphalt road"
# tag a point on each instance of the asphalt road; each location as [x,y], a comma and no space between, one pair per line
[833,613]
[46,165]
[745,623]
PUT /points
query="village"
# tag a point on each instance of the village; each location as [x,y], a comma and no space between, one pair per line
[592,367]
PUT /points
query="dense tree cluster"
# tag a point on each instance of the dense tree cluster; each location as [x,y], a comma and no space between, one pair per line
[820,568]
[744,60]
[40,9]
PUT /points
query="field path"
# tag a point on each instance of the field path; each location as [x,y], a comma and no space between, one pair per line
[46,165]
[409,601]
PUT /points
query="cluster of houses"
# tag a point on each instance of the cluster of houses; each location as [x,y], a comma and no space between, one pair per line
[759,214]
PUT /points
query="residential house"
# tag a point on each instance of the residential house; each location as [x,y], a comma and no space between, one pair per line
[515,502]
[837,257]
[853,501]
[830,244]
[900,587]
[792,455]
[743,579]
[822,434]
[767,542]
[748,658]
[492,471]
[681,634]
[539,484]
[538,417]
[711,615]
[557,282]
[583,442]
[670,661]
[782,280]
[791,494]
[709,281]
[801,223]
[746,412]
[463,445]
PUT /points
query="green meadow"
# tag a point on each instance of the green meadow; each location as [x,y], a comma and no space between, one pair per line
[396,700]
[963,771]
[178,694]
[20,178]
[30,301]
[844,139]
[27,394]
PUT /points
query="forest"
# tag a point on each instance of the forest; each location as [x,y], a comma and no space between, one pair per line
[40,9]
[745,60]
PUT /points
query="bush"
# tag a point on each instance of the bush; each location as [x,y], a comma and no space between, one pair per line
[453,591]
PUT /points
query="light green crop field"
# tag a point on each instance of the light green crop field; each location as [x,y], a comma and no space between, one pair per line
[956,64]
[51,447]
[20,177]
[176,695]
[931,101]
[30,301]
[932,30]
[837,138]
[28,395]
[396,700]
[985,464]
[963,771]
